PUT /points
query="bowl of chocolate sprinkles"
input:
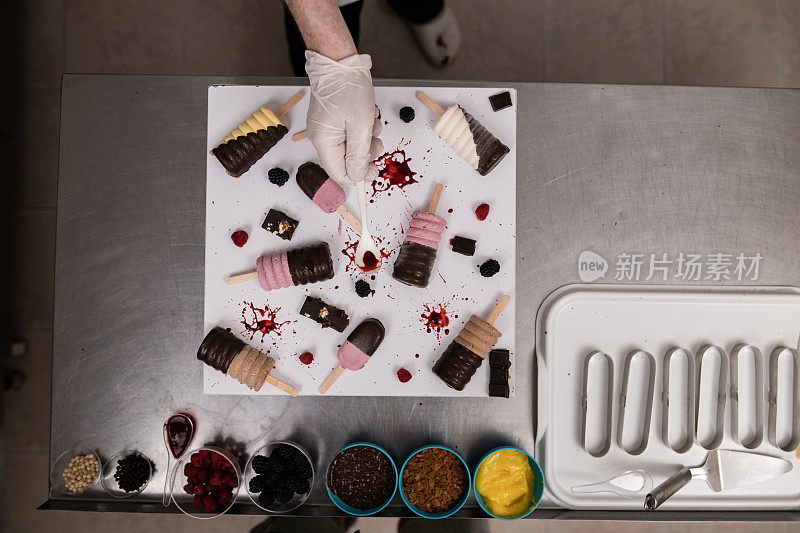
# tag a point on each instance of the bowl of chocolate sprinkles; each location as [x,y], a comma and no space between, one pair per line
[434,482]
[361,479]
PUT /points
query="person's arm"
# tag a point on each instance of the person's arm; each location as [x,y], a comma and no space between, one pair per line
[341,121]
[323,28]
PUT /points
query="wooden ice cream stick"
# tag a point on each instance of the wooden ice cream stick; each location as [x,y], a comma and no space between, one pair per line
[299,136]
[428,101]
[330,380]
[437,194]
[278,384]
[498,310]
[241,278]
[289,104]
[349,218]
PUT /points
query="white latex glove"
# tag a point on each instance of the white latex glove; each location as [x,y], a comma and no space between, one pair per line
[342,121]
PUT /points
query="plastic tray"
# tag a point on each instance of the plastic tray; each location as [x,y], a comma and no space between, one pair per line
[616,319]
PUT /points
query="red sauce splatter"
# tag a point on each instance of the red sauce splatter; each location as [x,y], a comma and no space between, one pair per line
[482,211]
[306,358]
[263,320]
[450,210]
[404,375]
[239,238]
[393,171]
[370,261]
[435,319]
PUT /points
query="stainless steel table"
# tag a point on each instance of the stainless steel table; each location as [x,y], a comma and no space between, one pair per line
[611,169]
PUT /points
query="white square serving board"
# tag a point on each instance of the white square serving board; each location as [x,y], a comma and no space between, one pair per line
[242,203]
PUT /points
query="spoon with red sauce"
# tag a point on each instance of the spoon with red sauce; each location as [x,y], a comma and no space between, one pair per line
[178,434]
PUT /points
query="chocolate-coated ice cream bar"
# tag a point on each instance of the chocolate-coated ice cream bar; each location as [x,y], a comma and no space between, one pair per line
[309,264]
[461,359]
[356,350]
[323,191]
[482,150]
[414,263]
[253,138]
[223,351]
[325,314]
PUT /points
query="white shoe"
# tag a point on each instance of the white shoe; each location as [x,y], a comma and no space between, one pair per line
[439,38]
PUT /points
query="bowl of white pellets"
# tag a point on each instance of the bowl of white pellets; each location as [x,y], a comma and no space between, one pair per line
[76,470]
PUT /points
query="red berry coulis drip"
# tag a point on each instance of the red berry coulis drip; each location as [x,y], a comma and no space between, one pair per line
[263,321]
[404,375]
[306,358]
[435,319]
[371,262]
[180,430]
[393,171]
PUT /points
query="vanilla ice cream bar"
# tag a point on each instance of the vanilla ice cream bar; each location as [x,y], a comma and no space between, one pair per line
[361,344]
[465,354]
[223,351]
[309,264]
[250,141]
[324,192]
[415,260]
[482,150]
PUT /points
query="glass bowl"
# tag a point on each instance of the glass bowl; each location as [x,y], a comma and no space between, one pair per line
[110,469]
[352,510]
[61,463]
[277,507]
[538,484]
[185,502]
[458,505]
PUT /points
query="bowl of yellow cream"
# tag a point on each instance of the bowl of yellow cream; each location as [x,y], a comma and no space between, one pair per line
[508,483]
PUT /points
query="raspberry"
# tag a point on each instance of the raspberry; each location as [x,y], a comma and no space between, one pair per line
[188,488]
[490,268]
[403,375]
[197,459]
[482,211]
[363,289]
[306,358]
[239,238]
[278,176]
[407,114]
[190,470]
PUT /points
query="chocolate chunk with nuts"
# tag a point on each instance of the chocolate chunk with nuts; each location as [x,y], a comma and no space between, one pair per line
[280,224]
[325,314]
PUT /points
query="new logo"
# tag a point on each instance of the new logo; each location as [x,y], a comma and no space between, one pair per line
[591,266]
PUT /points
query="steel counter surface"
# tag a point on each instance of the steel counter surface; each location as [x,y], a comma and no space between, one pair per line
[603,168]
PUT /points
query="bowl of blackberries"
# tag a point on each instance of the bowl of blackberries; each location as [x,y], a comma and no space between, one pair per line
[279,476]
[126,474]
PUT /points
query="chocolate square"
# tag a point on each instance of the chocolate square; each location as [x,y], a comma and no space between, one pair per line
[463,245]
[499,363]
[499,358]
[325,314]
[499,390]
[500,101]
[280,224]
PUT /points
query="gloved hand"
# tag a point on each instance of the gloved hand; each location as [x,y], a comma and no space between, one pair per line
[342,120]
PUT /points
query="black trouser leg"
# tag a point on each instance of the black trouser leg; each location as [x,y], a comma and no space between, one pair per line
[297,46]
[417,11]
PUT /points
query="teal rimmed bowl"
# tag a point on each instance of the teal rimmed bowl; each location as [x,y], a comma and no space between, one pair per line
[352,510]
[455,507]
[538,484]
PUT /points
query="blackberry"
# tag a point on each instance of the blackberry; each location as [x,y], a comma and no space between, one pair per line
[303,487]
[278,176]
[257,484]
[260,464]
[284,494]
[490,268]
[266,498]
[363,289]
[282,451]
[407,114]
[271,479]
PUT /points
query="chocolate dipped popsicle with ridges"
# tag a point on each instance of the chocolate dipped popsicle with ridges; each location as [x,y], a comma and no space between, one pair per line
[414,263]
[250,141]
[325,192]
[464,355]
[354,353]
[225,352]
[309,264]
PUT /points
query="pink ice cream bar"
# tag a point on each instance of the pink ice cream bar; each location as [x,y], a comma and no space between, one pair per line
[273,271]
[426,229]
[325,192]
[298,266]
[351,357]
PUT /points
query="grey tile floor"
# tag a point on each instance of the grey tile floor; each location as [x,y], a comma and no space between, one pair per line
[694,42]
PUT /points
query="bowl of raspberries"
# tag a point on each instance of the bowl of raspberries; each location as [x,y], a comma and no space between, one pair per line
[205,482]
[279,476]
